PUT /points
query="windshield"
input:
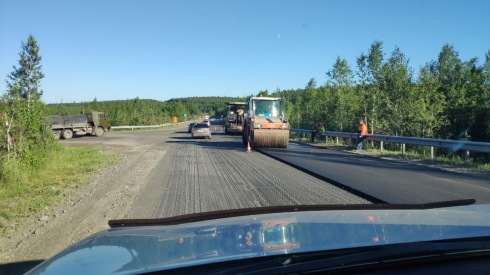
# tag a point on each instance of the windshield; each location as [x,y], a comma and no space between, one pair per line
[267,108]
[146,110]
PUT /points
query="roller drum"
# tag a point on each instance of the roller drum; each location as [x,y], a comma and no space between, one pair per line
[266,138]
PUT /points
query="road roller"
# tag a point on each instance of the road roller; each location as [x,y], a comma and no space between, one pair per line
[234,119]
[265,123]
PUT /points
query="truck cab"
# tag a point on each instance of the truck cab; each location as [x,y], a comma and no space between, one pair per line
[97,119]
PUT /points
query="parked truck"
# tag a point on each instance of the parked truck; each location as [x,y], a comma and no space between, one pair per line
[89,123]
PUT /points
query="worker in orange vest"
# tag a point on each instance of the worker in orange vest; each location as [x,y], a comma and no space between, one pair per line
[362,132]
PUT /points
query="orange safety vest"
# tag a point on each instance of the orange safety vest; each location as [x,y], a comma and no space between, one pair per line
[362,129]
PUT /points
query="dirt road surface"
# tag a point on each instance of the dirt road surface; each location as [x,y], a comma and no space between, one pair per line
[162,173]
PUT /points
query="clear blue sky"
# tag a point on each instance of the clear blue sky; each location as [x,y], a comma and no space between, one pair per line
[164,49]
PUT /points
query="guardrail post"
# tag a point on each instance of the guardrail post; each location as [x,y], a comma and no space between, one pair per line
[403,148]
[432,152]
[336,140]
[348,142]
[381,146]
[466,156]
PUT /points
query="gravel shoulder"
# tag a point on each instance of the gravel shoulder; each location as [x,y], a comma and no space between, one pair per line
[86,210]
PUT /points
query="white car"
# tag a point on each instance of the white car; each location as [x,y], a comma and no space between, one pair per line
[207,122]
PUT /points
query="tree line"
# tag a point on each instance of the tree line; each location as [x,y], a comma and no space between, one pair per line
[448,98]
[147,111]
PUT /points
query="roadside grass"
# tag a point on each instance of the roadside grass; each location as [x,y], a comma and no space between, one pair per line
[420,154]
[25,192]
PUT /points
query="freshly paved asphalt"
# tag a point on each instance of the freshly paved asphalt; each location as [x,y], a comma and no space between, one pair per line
[389,181]
[381,180]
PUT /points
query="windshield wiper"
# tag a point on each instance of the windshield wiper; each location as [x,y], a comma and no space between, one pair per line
[350,258]
[213,215]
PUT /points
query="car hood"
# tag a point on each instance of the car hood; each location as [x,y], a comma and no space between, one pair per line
[136,249]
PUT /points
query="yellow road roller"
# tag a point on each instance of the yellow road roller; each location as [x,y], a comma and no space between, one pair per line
[265,123]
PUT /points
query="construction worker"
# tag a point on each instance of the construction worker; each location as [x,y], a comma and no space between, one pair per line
[314,131]
[362,132]
[320,129]
[239,116]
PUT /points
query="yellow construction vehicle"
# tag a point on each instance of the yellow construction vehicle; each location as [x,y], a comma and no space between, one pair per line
[265,123]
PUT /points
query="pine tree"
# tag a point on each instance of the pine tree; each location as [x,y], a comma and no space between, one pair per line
[27,134]
[25,80]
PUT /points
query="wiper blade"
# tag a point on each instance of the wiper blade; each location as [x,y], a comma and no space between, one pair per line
[213,215]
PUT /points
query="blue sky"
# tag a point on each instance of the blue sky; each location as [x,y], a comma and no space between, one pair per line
[165,49]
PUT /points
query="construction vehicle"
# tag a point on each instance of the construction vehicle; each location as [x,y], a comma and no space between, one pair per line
[89,123]
[234,122]
[265,123]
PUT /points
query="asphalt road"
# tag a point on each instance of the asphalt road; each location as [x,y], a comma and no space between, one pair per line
[389,181]
[222,158]
[205,175]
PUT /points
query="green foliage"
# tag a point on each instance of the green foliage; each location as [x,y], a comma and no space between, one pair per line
[449,97]
[25,190]
[25,79]
[26,137]
[146,111]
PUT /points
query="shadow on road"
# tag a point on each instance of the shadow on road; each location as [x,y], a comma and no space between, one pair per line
[226,145]
[81,136]
[222,145]
[186,138]
[18,267]
[218,133]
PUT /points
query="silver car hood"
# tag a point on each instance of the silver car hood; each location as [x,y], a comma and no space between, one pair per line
[137,249]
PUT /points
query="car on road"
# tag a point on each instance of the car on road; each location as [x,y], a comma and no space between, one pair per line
[189,128]
[201,130]
[207,122]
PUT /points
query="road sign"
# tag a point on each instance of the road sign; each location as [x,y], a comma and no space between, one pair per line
[185,115]
[176,119]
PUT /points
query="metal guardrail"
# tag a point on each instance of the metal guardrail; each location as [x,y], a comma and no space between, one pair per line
[454,145]
[145,126]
